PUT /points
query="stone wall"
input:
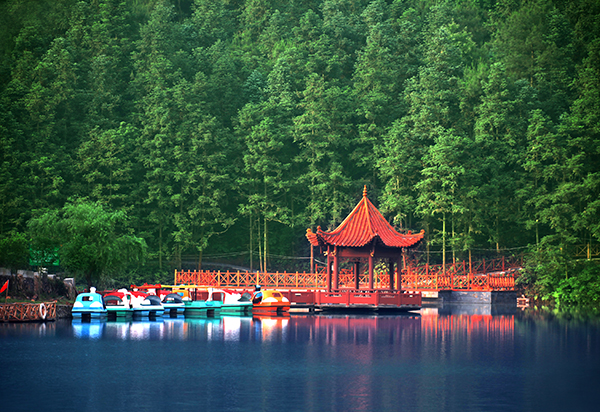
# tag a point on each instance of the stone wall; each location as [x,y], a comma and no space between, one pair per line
[486,298]
[63,311]
[30,285]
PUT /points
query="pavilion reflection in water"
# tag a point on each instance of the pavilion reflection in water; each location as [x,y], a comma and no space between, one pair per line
[494,327]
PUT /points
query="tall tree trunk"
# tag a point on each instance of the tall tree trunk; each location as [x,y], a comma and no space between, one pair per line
[427,241]
[251,251]
[260,252]
[265,247]
[444,244]
[178,256]
[497,230]
[160,266]
[453,242]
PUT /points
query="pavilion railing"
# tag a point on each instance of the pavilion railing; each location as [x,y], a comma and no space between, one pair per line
[496,274]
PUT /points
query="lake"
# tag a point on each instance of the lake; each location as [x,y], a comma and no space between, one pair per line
[452,358]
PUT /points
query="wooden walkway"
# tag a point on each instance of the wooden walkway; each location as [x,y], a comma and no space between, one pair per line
[490,275]
[27,312]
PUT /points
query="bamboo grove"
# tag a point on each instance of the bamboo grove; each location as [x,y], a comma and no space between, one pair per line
[222,129]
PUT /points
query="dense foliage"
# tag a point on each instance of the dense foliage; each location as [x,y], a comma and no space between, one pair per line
[225,128]
[93,242]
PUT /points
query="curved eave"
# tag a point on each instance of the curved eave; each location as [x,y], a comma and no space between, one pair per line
[398,240]
[365,224]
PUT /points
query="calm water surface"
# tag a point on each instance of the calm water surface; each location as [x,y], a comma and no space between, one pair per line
[442,359]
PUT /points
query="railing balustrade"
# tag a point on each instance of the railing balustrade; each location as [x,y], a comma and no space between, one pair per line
[496,274]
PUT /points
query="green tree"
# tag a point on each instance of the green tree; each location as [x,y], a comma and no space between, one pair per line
[499,133]
[382,67]
[14,250]
[155,78]
[105,163]
[265,128]
[535,42]
[93,240]
[412,158]
[321,132]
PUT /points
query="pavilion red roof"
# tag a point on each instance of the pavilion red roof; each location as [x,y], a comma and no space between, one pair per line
[364,224]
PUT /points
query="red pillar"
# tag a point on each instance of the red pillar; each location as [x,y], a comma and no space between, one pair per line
[335,268]
[357,275]
[391,272]
[399,272]
[328,268]
[371,268]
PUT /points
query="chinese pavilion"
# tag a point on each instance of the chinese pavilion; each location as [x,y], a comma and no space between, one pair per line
[364,236]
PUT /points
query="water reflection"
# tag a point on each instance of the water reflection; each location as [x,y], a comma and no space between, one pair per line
[270,328]
[227,328]
[37,329]
[88,330]
[431,323]
[233,327]
[462,325]
[443,358]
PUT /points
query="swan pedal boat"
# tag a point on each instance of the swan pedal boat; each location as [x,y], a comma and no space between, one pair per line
[173,304]
[232,302]
[269,302]
[118,304]
[197,301]
[89,306]
[146,306]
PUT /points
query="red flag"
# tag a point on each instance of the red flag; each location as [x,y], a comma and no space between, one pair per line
[4,287]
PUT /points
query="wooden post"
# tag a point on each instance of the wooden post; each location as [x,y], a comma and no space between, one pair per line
[589,255]
[357,275]
[312,259]
[470,263]
[469,277]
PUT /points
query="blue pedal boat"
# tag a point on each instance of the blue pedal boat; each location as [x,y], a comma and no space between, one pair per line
[202,309]
[89,306]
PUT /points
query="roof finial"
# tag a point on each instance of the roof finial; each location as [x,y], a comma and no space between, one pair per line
[365,191]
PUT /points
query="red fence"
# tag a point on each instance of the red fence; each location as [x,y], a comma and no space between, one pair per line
[497,274]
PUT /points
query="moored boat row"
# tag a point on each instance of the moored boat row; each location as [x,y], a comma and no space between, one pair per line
[152,301]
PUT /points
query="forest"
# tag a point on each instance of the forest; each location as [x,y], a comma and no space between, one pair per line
[152,135]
